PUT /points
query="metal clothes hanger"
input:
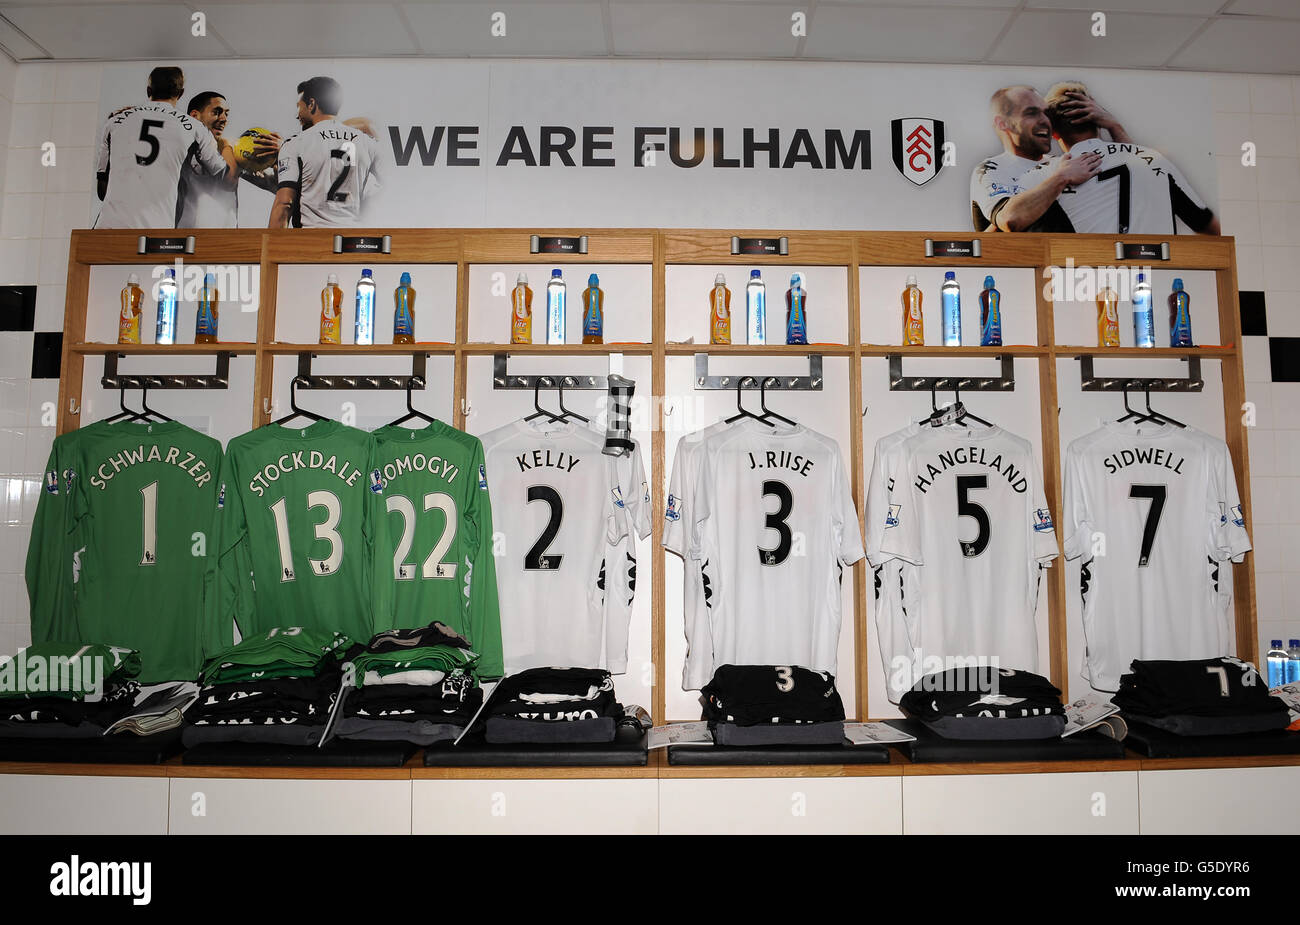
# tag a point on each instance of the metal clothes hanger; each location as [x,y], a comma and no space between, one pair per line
[295,411]
[768,412]
[743,411]
[565,412]
[125,413]
[1151,414]
[963,413]
[144,405]
[537,403]
[1160,414]
[411,412]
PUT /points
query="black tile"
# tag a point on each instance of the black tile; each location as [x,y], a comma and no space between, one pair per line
[47,354]
[1284,358]
[17,308]
[1253,319]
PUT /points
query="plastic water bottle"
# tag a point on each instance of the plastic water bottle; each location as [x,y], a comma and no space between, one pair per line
[365,321]
[796,311]
[166,330]
[1277,659]
[1144,319]
[1293,662]
[205,320]
[756,309]
[1180,316]
[555,308]
[990,315]
[950,296]
[404,311]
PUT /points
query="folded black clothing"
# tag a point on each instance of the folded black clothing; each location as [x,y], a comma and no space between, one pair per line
[750,695]
[363,702]
[570,682]
[420,732]
[1184,724]
[10,730]
[260,734]
[999,693]
[560,711]
[1223,686]
[505,730]
[62,711]
[778,734]
[993,728]
[260,717]
[456,687]
[435,634]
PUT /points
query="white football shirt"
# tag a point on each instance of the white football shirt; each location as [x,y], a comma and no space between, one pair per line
[895,580]
[1153,511]
[334,168]
[968,509]
[996,179]
[698,562]
[561,509]
[207,202]
[620,559]
[147,151]
[774,502]
[1136,191]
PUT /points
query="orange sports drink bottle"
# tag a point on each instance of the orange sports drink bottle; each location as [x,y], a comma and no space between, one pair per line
[128,322]
[913,322]
[1107,318]
[521,312]
[719,311]
[331,310]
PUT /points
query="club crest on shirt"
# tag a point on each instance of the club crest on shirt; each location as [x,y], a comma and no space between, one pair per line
[671,513]
[1042,520]
[482,477]
[52,482]
[891,519]
[376,481]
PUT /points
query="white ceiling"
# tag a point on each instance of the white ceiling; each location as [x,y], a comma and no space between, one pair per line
[1256,36]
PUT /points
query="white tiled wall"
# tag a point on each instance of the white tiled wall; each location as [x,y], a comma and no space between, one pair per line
[1260,206]
[41,204]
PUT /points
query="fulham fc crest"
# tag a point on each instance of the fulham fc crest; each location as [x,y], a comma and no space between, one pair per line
[918,148]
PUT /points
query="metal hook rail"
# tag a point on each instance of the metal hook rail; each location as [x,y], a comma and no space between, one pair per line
[900,383]
[502,379]
[307,380]
[1089,381]
[809,383]
[219,379]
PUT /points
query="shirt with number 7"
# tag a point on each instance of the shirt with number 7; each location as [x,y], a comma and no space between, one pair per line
[1152,509]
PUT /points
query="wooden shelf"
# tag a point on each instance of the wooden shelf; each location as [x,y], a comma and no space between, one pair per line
[1015,350]
[1165,352]
[279,348]
[555,349]
[163,349]
[759,349]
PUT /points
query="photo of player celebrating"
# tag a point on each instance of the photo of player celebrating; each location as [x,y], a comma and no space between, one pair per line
[1093,186]
[1136,190]
[326,172]
[146,153]
[210,202]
